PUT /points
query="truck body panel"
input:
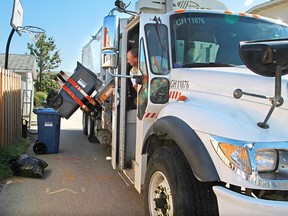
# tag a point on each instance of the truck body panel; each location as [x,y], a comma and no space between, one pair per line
[233,202]
[210,96]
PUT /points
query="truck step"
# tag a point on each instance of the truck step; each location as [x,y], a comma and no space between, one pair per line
[128,174]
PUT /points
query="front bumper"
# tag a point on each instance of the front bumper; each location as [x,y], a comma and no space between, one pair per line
[232,203]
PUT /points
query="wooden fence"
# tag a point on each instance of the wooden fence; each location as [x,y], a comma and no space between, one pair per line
[10,108]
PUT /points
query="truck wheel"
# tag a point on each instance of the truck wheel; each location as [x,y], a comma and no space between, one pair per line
[171,188]
[84,123]
[90,126]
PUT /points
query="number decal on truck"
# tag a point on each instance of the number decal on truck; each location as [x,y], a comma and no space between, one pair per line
[182,84]
[189,20]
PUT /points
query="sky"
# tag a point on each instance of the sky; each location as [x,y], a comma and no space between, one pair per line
[70,23]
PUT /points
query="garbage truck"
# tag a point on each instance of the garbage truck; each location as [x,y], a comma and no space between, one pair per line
[205,131]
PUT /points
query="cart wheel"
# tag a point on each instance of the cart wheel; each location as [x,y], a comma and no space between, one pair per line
[39,148]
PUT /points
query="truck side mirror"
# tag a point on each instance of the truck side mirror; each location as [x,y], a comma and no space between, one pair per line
[109,59]
[262,57]
[110,32]
[267,58]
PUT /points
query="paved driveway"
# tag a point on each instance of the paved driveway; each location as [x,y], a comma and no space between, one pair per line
[78,181]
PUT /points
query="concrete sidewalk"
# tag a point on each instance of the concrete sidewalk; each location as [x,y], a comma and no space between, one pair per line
[78,181]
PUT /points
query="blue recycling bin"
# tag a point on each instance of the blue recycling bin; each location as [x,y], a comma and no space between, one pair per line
[48,121]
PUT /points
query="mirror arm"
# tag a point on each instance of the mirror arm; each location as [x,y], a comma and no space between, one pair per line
[112,11]
[137,77]
[120,75]
[132,13]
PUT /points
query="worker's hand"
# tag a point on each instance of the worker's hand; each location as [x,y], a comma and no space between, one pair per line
[135,87]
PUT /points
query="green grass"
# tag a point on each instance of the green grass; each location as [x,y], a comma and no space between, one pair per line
[9,153]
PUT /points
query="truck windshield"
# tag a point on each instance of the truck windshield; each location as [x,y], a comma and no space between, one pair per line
[201,40]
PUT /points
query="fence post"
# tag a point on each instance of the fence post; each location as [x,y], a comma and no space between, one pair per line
[1,108]
[10,108]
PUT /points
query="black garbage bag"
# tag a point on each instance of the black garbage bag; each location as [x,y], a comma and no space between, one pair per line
[28,166]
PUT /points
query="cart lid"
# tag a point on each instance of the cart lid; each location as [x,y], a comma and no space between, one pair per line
[45,111]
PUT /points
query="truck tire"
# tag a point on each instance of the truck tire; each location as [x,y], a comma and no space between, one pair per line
[90,126]
[84,123]
[172,189]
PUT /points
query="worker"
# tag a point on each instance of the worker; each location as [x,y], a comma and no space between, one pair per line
[132,59]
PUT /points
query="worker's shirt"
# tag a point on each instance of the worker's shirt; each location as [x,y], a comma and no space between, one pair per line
[134,71]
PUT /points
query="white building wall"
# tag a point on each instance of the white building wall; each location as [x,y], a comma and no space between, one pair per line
[276,9]
[277,12]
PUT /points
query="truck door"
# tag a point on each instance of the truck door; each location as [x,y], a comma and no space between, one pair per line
[154,65]
[153,94]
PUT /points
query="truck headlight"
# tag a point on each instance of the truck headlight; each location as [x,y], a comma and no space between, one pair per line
[266,160]
[237,155]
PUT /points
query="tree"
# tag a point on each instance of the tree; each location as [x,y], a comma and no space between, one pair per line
[48,83]
[47,57]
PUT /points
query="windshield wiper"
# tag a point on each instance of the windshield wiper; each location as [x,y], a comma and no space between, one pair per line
[217,64]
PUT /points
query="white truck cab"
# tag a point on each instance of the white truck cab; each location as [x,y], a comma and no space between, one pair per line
[206,131]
